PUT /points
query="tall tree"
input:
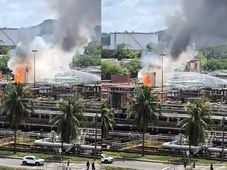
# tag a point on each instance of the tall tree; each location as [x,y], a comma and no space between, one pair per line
[107,119]
[70,120]
[17,106]
[145,109]
[196,125]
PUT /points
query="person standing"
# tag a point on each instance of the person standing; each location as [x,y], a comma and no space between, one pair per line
[88,165]
[93,166]
[211,167]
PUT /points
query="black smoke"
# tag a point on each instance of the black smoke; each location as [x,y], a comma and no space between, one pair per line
[198,18]
[76,22]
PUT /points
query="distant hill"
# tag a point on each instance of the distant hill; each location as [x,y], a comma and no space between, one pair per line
[11,36]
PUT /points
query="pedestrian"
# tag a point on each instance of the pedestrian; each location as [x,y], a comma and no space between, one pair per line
[88,165]
[68,163]
[184,163]
[211,167]
[93,165]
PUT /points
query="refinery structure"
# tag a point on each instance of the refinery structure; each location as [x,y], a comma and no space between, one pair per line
[58,66]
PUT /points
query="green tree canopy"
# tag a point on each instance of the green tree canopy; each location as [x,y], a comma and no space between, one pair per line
[107,119]
[4,50]
[134,67]
[87,60]
[93,48]
[4,64]
[70,120]
[196,125]
[108,68]
[145,108]
[213,58]
[121,54]
[91,56]
[202,58]
[17,106]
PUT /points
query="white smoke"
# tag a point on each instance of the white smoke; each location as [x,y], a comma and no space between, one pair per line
[152,62]
[75,26]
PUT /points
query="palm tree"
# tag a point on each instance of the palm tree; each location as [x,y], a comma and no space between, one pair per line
[145,109]
[196,125]
[70,120]
[17,106]
[107,119]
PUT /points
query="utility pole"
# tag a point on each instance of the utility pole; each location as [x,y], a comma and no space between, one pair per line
[34,51]
[223,138]
[162,55]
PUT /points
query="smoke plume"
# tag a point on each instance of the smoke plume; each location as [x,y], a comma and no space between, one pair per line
[197,18]
[74,27]
[76,22]
[152,62]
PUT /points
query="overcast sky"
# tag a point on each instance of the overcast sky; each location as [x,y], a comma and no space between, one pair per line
[137,15]
[117,15]
[23,13]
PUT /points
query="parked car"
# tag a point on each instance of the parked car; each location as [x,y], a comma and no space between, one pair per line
[32,160]
[106,159]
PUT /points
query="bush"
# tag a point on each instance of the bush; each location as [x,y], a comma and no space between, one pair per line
[108,68]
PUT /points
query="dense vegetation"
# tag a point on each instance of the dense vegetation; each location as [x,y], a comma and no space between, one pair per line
[121,53]
[87,60]
[3,64]
[108,68]
[132,68]
[90,57]
[213,58]
[4,50]
[4,59]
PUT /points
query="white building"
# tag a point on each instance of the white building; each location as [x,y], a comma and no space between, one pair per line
[133,40]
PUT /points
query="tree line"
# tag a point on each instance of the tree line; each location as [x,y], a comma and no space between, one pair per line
[213,58]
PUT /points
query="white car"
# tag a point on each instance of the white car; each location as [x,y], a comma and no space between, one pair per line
[32,160]
[106,159]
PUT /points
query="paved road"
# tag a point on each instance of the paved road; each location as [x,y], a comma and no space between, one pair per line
[16,163]
[141,165]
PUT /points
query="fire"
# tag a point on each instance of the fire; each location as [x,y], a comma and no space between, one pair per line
[147,80]
[19,76]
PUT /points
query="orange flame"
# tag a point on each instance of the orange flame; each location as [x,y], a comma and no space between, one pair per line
[147,80]
[19,76]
